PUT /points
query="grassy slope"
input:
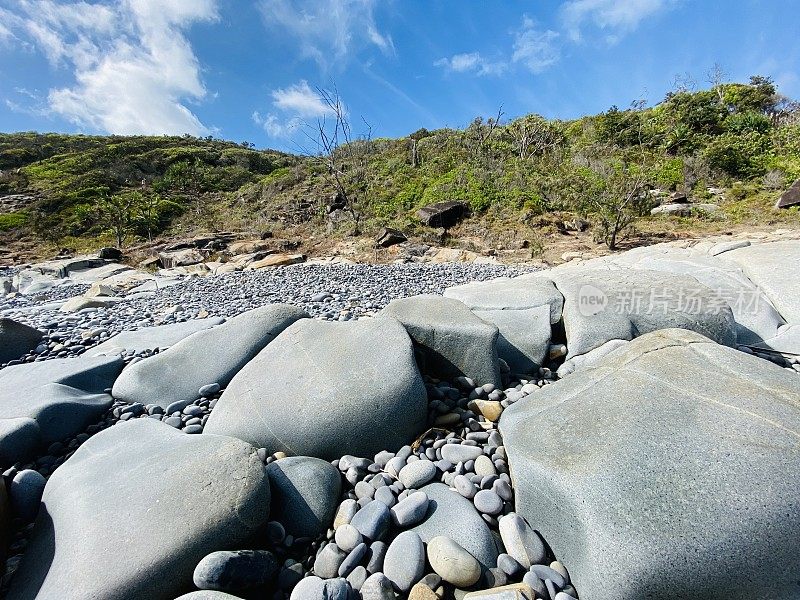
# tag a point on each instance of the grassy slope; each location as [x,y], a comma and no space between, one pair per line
[518,197]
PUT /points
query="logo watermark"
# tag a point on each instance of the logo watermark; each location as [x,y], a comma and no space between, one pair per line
[593,300]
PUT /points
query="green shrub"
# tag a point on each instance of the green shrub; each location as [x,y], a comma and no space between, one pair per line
[13,220]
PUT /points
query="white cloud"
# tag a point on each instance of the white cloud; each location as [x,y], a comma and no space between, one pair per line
[472,62]
[134,68]
[614,16]
[301,100]
[293,107]
[326,31]
[535,48]
[276,127]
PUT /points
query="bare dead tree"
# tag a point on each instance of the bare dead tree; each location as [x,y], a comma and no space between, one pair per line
[716,76]
[345,157]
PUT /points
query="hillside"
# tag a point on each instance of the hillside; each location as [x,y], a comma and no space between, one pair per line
[528,182]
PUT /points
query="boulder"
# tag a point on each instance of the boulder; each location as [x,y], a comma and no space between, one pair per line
[135,509]
[389,237]
[668,470]
[602,304]
[277,260]
[756,318]
[453,341]
[78,303]
[16,339]
[180,258]
[673,210]
[453,516]
[790,197]
[524,311]
[209,356]
[110,253]
[327,389]
[442,214]
[305,494]
[150,338]
[61,396]
[775,268]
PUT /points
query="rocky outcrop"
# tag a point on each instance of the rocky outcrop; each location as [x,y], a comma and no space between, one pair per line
[627,469]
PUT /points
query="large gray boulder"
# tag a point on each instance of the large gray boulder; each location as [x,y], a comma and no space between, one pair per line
[453,516]
[775,268]
[44,402]
[16,339]
[327,389]
[209,356]
[305,493]
[523,309]
[669,470]
[150,338]
[755,316]
[133,511]
[453,340]
[603,304]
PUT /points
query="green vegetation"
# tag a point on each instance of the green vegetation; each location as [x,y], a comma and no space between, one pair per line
[743,138]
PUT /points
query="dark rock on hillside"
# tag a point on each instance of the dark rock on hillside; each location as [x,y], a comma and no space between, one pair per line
[389,237]
[110,253]
[442,214]
[790,197]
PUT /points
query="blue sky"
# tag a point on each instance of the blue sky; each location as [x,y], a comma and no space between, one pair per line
[250,69]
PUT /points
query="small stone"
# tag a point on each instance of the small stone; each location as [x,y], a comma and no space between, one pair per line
[348,537]
[328,561]
[452,563]
[377,552]
[509,565]
[546,573]
[208,390]
[465,487]
[353,558]
[25,494]
[372,521]
[520,541]
[345,513]
[484,466]
[376,587]
[490,409]
[357,577]
[456,453]
[384,494]
[422,591]
[417,474]
[411,510]
[404,564]
[486,501]
[235,571]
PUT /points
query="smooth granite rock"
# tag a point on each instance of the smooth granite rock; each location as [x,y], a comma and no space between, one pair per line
[327,389]
[150,338]
[523,309]
[672,446]
[16,339]
[453,516]
[756,318]
[404,563]
[452,562]
[135,509]
[305,494]
[453,340]
[235,570]
[602,304]
[209,356]
[775,268]
[61,396]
